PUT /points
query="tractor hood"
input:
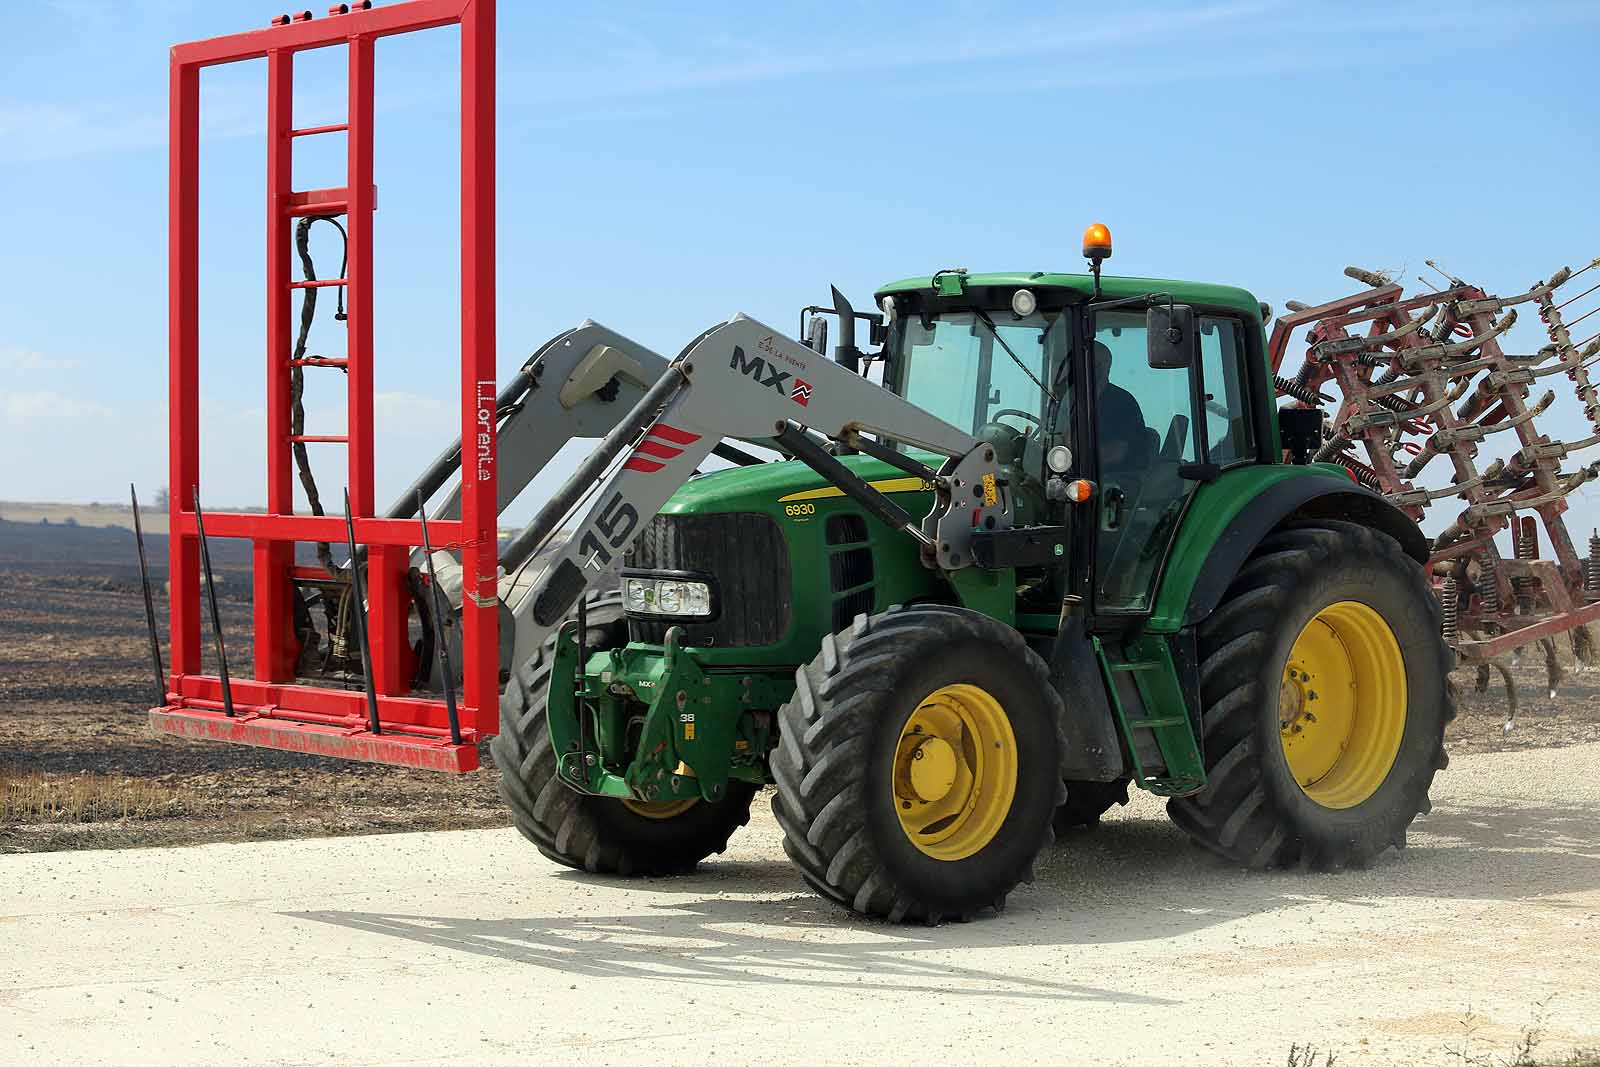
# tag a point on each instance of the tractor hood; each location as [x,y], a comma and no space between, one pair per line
[763,487]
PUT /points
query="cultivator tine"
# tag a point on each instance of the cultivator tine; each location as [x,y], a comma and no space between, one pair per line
[1476,514]
[1329,349]
[1387,417]
[1414,497]
[446,675]
[216,615]
[149,602]
[1511,692]
[1416,359]
[1442,441]
[1492,304]
[1552,450]
[1481,430]
[358,593]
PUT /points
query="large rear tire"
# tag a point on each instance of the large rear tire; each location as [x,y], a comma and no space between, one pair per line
[918,762]
[1324,681]
[598,834]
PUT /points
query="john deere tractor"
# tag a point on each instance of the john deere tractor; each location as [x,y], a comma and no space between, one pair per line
[1128,573]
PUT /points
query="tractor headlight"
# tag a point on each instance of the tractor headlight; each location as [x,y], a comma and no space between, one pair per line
[638,593]
[669,597]
[666,596]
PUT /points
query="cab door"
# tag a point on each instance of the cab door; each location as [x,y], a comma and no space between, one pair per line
[1158,434]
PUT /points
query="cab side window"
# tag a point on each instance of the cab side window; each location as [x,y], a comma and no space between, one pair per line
[1227,391]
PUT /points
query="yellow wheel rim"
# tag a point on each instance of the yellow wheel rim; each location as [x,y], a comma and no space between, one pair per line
[1342,704]
[955,772]
[660,809]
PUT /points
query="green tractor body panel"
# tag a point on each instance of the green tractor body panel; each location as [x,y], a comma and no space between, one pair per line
[1214,508]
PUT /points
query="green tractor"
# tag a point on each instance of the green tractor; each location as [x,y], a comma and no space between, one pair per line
[1173,597]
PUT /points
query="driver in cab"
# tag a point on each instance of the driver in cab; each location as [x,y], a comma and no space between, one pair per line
[1127,444]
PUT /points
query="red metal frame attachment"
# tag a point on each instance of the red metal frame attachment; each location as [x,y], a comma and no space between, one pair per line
[273,708]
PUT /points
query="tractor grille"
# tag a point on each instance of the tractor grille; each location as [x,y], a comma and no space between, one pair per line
[850,569]
[747,556]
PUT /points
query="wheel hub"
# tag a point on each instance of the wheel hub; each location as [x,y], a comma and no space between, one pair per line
[1342,704]
[931,770]
[955,772]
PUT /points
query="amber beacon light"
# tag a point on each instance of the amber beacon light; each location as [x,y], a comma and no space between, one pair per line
[1097,242]
[1096,249]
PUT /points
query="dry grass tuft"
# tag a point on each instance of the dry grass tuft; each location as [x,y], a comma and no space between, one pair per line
[31,796]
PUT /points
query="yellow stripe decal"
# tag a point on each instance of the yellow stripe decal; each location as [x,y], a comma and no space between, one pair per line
[910,484]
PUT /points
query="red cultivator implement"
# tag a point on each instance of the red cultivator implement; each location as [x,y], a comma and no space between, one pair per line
[1428,406]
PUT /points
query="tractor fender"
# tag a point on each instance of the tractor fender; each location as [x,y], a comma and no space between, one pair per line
[1284,502]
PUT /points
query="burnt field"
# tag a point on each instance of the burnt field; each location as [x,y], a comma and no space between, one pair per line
[80,769]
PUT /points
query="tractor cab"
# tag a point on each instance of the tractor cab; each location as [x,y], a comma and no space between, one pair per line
[1133,391]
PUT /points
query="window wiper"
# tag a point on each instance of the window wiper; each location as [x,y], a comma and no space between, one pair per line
[987,321]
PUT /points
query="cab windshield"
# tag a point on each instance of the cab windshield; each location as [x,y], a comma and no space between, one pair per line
[954,366]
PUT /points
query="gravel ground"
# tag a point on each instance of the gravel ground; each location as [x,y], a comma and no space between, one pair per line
[1131,948]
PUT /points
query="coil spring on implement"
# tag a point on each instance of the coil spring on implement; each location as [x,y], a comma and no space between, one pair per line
[1364,474]
[1449,608]
[1489,586]
[1523,549]
[1591,566]
[1296,389]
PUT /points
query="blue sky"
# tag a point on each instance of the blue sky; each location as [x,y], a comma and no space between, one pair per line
[660,170]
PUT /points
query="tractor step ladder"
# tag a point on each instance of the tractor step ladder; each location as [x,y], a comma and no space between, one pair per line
[1150,669]
[274,709]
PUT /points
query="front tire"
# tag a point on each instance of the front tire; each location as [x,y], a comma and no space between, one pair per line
[598,834]
[917,768]
[1324,681]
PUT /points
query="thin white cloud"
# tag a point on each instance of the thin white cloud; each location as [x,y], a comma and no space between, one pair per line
[1132,76]
[1069,37]
[45,404]
[30,132]
[17,359]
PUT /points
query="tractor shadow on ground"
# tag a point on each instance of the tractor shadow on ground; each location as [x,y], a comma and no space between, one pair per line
[793,941]
[1129,880]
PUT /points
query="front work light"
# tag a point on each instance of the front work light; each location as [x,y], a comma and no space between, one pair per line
[1023,303]
[666,596]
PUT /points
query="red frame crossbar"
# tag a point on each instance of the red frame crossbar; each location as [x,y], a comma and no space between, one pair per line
[272,709]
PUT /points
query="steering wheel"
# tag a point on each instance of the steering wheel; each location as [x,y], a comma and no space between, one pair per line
[1019,413]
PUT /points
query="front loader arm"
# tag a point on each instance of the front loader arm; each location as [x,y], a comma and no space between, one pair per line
[576,385]
[739,379]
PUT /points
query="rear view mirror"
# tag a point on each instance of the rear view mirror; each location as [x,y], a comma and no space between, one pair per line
[1171,340]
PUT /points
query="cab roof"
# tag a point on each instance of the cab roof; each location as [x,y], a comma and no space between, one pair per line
[1112,287]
